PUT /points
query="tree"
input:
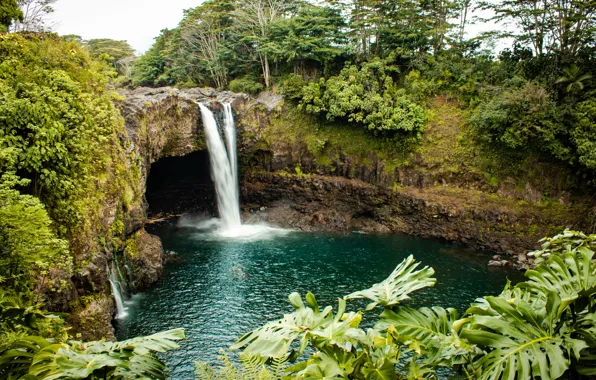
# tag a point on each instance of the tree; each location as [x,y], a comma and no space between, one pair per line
[206,31]
[253,20]
[563,26]
[119,53]
[9,13]
[35,14]
[152,67]
[312,35]
[116,50]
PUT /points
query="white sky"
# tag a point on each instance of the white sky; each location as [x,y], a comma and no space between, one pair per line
[136,21]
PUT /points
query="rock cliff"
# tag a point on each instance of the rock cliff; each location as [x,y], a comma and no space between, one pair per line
[305,177]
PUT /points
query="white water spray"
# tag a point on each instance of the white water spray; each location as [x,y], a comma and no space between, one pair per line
[223,171]
[115,284]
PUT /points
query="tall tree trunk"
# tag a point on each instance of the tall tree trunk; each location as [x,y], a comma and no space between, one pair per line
[265,67]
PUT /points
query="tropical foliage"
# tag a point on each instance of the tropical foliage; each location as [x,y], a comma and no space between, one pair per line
[365,95]
[542,328]
[57,116]
[35,357]
[378,64]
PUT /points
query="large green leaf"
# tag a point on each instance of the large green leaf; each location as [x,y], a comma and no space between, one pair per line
[404,280]
[306,323]
[16,361]
[521,341]
[329,364]
[571,274]
[275,338]
[428,331]
[133,358]
[568,241]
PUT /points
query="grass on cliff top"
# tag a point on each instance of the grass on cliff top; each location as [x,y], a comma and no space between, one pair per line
[447,149]
[324,139]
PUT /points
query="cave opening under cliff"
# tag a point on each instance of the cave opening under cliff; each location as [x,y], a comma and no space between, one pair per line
[178,185]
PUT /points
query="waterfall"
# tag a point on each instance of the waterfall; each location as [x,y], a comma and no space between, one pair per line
[122,283]
[223,166]
[230,132]
[115,284]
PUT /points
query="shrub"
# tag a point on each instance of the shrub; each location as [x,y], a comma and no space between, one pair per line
[246,84]
[367,96]
[523,117]
[293,86]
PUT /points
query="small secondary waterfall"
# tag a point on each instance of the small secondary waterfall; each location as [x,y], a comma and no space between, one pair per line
[223,165]
[122,283]
[115,285]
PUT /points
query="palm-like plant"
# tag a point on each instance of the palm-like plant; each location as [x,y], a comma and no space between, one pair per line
[574,78]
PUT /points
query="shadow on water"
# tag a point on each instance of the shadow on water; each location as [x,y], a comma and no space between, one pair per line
[220,287]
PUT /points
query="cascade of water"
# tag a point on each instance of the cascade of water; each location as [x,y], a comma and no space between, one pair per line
[222,170]
[122,283]
[114,283]
[230,133]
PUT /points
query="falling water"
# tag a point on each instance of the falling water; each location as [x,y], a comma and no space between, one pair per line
[114,283]
[223,170]
[122,283]
[230,132]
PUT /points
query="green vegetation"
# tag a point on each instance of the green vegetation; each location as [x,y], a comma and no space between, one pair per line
[31,356]
[541,328]
[366,95]
[9,13]
[360,63]
[57,117]
[373,80]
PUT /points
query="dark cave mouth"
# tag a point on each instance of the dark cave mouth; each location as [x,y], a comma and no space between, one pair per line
[178,185]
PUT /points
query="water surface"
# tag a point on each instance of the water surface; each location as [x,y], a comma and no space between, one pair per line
[220,288]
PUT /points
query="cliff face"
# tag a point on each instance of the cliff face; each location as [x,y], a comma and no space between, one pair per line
[302,174]
[157,123]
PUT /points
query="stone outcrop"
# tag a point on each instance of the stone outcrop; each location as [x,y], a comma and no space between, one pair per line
[476,219]
[94,320]
[144,252]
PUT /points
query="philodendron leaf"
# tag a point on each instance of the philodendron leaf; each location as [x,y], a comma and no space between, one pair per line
[570,274]
[404,280]
[132,358]
[275,338]
[521,341]
[432,330]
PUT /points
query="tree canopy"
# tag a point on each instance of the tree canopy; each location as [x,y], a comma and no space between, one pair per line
[9,13]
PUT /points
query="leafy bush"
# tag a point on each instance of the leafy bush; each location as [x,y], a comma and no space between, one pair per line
[583,133]
[522,117]
[57,116]
[366,96]
[37,358]
[246,84]
[30,248]
[293,86]
[540,328]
